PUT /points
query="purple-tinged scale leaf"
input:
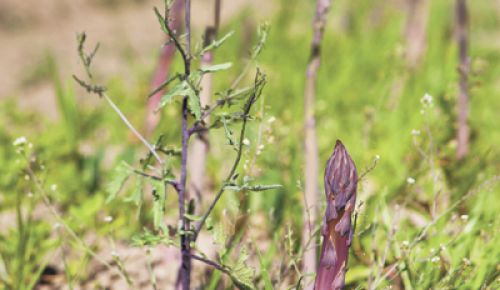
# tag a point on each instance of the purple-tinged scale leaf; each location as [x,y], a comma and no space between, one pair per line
[341,181]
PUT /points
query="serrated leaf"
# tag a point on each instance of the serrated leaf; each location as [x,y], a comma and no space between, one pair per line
[241,274]
[159,198]
[180,89]
[120,175]
[216,67]
[150,239]
[220,235]
[194,103]
[137,195]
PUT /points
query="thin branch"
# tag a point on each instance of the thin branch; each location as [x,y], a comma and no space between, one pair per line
[163,85]
[211,263]
[173,183]
[255,53]
[100,91]
[175,39]
[131,127]
[259,82]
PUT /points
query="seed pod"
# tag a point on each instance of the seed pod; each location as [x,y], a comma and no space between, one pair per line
[341,180]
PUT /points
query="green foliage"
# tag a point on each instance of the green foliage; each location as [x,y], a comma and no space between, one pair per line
[366,96]
[121,174]
[215,67]
[241,274]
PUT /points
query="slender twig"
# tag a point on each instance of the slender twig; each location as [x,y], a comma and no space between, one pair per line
[219,103]
[100,91]
[256,51]
[173,183]
[184,52]
[147,175]
[211,263]
[163,85]
[259,81]
[131,128]
[369,169]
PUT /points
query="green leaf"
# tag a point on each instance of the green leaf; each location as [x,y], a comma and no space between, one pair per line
[180,89]
[233,188]
[183,88]
[194,104]
[159,198]
[217,43]
[263,187]
[228,133]
[216,67]
[120,175]
[150,239]
[247,187]
[161,20]
[241,274]
[262,34]
[192,217]
[220,235]
[137,195]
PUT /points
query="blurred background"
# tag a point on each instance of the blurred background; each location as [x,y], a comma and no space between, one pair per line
[387,86]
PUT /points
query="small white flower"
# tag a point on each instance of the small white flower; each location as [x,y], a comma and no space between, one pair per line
[53,187]
[271,120]
[443,247]
[27,177]
[410,180]
[261,147]
[464,217]
[426,100]
[115,254]
[20,141]
[30,194]
[435,259]
[56,226]
[415,132]
[467,261]
[246,142]
[377,157]
[406,243]
[108,219]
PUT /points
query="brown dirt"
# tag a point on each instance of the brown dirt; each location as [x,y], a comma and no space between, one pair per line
[31,29]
